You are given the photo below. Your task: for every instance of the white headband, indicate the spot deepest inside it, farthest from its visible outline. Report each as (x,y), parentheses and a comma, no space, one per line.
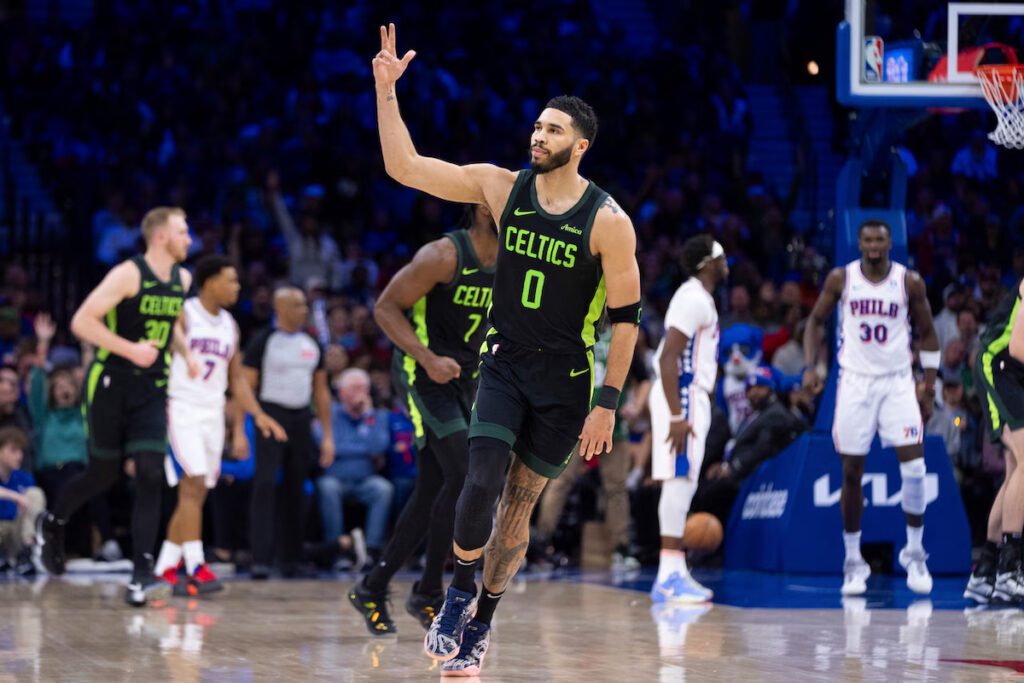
(717,251)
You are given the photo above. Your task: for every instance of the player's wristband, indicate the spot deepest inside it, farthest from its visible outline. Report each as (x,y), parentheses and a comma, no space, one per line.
(675,419)
(930,360)
(608,398)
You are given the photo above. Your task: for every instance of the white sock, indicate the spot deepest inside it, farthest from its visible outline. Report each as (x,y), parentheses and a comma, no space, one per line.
(193,556)
(915,534)
(852,543)
(669,562)
(170,556)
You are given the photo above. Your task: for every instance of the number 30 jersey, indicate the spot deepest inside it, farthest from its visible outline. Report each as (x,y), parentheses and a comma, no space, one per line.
(549,290)
(149,315)
(874,326)
(212,339)
(451,319)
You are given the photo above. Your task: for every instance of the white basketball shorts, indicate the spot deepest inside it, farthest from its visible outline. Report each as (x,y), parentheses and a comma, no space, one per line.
(883,404)
(666,463)
(197,442)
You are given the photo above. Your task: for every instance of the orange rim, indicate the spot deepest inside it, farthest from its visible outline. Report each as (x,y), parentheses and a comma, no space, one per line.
(1003,74)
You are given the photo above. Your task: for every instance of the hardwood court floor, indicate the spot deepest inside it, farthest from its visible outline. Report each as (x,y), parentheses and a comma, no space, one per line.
(562,630)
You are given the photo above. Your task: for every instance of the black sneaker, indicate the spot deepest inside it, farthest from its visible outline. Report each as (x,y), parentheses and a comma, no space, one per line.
(145,587)
(374,609)
(50,538)
(424,606)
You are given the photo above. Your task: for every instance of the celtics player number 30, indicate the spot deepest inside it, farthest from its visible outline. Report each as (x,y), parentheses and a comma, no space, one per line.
(158,330)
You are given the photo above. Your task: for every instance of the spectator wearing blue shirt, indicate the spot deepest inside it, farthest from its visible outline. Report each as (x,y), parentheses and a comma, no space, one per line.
(401,468)
(362,438)
(21,502)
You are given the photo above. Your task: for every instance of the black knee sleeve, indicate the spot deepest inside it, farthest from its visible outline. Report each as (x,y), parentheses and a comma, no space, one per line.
(488,460)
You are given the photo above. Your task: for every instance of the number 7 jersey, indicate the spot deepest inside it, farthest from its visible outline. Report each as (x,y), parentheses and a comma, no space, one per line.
(874,322)
(212,339)
(451,319)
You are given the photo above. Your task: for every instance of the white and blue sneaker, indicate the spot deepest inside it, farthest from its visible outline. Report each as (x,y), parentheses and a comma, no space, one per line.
(471,655)
(444,638)
(680,587)
(856,573)
(919,579)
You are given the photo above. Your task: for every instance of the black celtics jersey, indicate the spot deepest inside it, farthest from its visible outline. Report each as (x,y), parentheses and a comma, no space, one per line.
(450,319)
(150,314)
(548,288)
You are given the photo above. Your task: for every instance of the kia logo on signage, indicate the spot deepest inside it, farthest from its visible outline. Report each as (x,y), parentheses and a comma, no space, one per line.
(879,495)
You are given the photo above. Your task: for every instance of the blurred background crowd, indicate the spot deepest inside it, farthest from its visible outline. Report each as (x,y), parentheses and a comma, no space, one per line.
(258,118)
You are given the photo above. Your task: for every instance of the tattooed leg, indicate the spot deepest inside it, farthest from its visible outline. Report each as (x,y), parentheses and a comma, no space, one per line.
(506,547)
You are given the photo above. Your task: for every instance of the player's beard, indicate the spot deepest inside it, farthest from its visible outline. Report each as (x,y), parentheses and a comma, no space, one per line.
(875,261)
(555,160)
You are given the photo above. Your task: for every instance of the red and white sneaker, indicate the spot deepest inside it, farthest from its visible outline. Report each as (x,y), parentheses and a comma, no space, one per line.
(172,576)
(203,582)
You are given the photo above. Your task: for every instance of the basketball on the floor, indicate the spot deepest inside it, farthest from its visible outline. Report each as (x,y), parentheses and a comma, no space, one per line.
(703,532)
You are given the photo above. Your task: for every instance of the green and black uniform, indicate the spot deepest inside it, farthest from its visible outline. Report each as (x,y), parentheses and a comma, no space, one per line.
(1000,377)
(537,364)
(450,320)
(125,406)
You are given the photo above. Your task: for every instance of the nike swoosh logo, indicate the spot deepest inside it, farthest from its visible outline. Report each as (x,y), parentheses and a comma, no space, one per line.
(577,373)
(149,283)
(470,271)
(517,212)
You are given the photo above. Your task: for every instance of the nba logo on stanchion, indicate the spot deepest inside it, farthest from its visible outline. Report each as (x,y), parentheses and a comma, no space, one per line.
(874,50)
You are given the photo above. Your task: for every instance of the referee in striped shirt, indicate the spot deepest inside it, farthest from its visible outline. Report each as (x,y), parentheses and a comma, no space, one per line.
(285,366)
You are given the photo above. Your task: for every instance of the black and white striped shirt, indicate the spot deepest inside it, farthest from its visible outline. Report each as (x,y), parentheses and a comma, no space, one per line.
(287,362)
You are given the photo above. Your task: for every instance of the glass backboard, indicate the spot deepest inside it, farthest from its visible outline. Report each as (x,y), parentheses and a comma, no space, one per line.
(895,53)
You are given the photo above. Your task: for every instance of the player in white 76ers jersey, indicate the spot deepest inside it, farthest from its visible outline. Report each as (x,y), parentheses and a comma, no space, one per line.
(876,392)
(195,419)
(686,364)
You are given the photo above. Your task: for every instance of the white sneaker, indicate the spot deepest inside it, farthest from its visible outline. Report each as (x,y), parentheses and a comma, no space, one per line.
(680,588)
(980,588)
(1009,587)
(919,579)
(855,577)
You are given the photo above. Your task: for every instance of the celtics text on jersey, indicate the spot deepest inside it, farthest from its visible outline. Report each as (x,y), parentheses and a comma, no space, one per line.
(549,290)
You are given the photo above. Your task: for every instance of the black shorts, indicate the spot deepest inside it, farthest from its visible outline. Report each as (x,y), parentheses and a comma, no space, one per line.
(436,410)
(124,413)
(535,402)
(1000,381)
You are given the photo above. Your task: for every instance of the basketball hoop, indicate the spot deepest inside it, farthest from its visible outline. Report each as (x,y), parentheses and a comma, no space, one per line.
(1003,87)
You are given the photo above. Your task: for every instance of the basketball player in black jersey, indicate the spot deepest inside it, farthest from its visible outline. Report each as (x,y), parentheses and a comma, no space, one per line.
(435,311)
(130,318)
(565,249)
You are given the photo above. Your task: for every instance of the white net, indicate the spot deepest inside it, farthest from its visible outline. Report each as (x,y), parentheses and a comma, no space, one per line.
(1003,87)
